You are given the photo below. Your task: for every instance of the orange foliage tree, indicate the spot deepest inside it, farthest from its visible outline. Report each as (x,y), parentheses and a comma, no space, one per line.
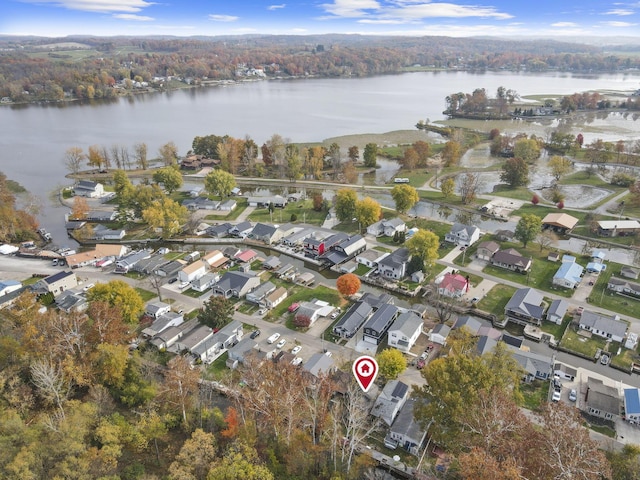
(348,284)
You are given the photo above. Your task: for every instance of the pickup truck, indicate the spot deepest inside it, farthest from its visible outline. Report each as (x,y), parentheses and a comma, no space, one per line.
(273,338)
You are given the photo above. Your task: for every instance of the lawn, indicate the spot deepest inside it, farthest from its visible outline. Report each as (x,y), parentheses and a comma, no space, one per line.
(542,211)
(30,281)
(217,369)
(145,294)
(362,269)
(235,213)
(609,300)
(520,193)
(586,231)
(306,294)
(554,329)
(535,394)
(625,359)
(582,345)
(496,299)
(383,249)
(417,178)
(303,210)
(193,293)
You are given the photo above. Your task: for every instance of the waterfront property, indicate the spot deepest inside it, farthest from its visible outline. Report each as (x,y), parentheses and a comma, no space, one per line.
(405,331)
(353,319)
(525,306)
(605,326)
(235,284)
(463,235)
(559,222)
(394,265)
(618,228)
(379,323)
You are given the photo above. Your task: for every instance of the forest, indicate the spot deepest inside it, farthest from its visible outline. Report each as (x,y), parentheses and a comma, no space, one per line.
(49,69)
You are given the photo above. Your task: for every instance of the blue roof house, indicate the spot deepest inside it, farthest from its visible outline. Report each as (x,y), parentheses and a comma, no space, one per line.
(568,275)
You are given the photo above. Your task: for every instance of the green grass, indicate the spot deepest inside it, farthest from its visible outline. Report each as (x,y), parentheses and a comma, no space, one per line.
(362,269)
(582,178)
(609,432)
(382,249)
(496,299)
(145,294)
(30,281)
(306,294)
(417,178)
(248,308)
(542,211)
(218,368)
(554,329)
(535,394)
(174,255)
(609,300)
(625,359)
(135,275)
(302,209)
(585,346)
(240,207)
(520,193)
(190,292)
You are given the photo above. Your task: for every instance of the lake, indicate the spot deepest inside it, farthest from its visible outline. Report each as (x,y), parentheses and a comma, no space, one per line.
(33,138)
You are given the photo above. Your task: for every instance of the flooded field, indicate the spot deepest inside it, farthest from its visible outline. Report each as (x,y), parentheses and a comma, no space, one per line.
(579,196)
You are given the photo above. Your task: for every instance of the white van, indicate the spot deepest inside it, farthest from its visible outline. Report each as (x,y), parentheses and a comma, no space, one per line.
(273,338)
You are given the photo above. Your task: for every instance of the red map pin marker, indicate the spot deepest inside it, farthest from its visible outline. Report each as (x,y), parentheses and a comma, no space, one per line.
(365,369)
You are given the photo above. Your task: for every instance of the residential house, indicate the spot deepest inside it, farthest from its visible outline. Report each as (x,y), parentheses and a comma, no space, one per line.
(235,284)
(486,250)
(171,335)
(557,310)
(377,301)
(485,345)
(100,252)
(8,286)
(320,243)
(288,229)
(246,256)
(632,405)
(87,188)
(318,364)
(228,206)
(536,366)
(297,238)
(463,235)
(147,266)
(275,298)
(406,432)
(266,233)
(162,322)
(101,216)
(219,231)
(69,301)
(630,272)
(191,340)
(453,285)
(258,294)
(504,235)
(564,371)
(353,319)
(346,250)
(624,287)
(192,272)
(476,328)
(370,258)
(568,275)
(559,222)
(439,333)
(395,264)
(271,263)
(155,309)
(231,251)
(348,267)
(239,352)
(525,306)
(56,283)
(313,310)
(598,256)
(169,269)
(100,232)
(387,228)
(241,230)
(605,326)
(219,342)
(379,323)
(618,228)
(200,203)
(214,259)
(404,331)
(596,267)
(512,260)
(305,278)
(126,263)
(602,400)
(295,196)
(205,282)
(8,299)
(277,201)
(390,401)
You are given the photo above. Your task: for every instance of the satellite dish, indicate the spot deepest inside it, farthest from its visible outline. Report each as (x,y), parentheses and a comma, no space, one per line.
(396,458)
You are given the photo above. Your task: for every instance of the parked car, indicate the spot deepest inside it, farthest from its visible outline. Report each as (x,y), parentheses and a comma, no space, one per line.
(262,311)
(424,356)
(281,343)
(420,364)
(293,307)
(573,395)
(273,338)
(556,396)
(335,314)
(475,300)
(173,280)
(604,359)
(88,287)
(296,349)
(255,334)
(296,361)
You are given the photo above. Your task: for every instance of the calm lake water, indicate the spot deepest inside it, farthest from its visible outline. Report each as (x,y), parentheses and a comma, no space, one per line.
(33,138)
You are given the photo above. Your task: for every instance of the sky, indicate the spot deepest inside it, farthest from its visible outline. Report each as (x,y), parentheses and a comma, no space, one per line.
(378,17)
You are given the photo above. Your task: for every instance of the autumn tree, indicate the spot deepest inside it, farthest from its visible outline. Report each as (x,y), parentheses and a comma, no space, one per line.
(527,149)
(478,464)
(391,363)
(447,187)
(405,196)
(560,166)
(370,155)
(345,204)
(169,177)
(423,149)
(294,162)
(354,153)
(546,239)
(350,173)
(216,312)
(195,457)
(451,153)
(424,244)
(348,284)
(121,295)
(219,182)
(535,200)
(73,158)
(515,173)
(368,211)
(469,184)
(410,159)
(140,155)
(167,215)
(317,201)
(168,154)
(528,228)
(80,209)
(95,157)
(180,386)
(240,461)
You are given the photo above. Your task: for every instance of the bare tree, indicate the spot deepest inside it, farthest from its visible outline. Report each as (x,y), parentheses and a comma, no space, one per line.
(140,154)
(115,155)
(106,158)
(469,184)
(50,382)
(180,385)
(125,158)
(546,239)
(444,305)
(73,158)
(356,422)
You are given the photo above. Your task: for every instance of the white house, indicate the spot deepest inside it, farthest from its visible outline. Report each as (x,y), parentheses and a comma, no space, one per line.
(394,265)
(275,298)
(155,309)
(463,235)
(162,323)
(605,326)
(404,331)
(205,282)
(370,258)
(557,311)
(439,334)
(87,188)
(8,286)
(568,275)
(387,228)
(192,272)
(214,259)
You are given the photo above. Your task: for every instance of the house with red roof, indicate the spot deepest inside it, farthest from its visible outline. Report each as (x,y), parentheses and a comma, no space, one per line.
(246,256)
(453,285)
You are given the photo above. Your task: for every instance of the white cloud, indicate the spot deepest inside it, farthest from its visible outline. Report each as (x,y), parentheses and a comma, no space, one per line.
(620,11)
(618,24)
(399,11)
(223,18)
(102,6)
(276,7)
(131,16)
(564,24)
